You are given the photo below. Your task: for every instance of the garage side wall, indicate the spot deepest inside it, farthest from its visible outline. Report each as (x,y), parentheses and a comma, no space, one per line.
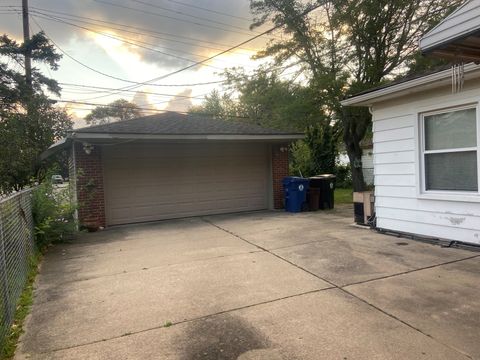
(89,187)
(279,171)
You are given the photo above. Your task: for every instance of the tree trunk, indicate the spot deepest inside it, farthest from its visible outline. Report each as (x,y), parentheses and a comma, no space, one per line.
(358,180)
(356,122)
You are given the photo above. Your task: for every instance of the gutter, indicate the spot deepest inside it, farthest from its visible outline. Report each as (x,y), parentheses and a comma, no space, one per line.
(87,137)
(392,91)
(107,136)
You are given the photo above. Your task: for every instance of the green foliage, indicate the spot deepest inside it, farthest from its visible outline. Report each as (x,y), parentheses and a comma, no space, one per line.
(23,137)
(316,154)
(220,106)
(22,310)
(343,196)
(53,214)
(29,123)
(264,99)
(344,176)
(322,146)
(14,92)
(353,46)
(300,159)
(119,110)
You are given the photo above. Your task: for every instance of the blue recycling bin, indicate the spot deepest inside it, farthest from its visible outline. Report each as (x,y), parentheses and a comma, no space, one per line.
(295,190)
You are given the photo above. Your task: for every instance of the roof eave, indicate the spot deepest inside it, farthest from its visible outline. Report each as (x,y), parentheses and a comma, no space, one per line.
(433,80)
(53,149)
(179,137)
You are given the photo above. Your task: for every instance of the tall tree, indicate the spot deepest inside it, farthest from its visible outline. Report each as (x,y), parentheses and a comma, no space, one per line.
(29,123)
(217,105)
(349,46)
(119,110)
(264,99)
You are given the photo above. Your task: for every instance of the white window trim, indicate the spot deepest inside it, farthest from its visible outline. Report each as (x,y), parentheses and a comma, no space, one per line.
(448,195)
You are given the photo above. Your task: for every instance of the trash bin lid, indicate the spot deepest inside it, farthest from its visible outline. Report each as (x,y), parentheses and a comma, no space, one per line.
(294,179)
(324,176)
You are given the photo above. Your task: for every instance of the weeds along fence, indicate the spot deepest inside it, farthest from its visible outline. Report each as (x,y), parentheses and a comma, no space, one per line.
(16,249)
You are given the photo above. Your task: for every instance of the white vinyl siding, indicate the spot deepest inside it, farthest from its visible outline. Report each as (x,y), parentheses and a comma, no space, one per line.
(148,182)
(399,201)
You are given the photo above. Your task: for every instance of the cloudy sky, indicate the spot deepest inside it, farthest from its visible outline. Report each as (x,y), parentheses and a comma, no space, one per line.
(111,44)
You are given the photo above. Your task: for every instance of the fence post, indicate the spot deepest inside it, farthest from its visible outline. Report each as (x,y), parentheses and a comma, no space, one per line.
(3,276)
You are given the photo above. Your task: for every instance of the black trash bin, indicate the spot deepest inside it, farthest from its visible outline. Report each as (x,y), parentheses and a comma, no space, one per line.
(326,184)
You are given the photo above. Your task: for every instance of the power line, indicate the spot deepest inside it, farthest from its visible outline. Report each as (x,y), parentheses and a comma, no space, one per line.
(130,41)
(119,90)
(211,57)
(182,13)
(209,10)
(149,31)
(132,91)
(127,41)
(141,33)
(140,108)
(168,17)
(118,78)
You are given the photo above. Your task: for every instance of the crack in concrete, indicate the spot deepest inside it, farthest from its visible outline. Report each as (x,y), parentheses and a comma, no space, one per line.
(412,271)
(150,268)
(186,321)
(332,286)
(342,288)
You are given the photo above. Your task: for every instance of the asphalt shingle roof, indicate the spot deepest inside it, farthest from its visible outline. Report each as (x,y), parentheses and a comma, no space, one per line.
(173,123)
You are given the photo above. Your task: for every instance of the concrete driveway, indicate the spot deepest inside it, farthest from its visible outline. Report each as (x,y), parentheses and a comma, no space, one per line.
(263,285)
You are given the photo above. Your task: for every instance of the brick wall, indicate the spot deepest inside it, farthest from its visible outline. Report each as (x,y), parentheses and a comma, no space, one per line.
(89,185)
(279,171)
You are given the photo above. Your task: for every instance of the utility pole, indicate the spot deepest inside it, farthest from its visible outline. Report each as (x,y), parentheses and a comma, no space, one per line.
(26,40)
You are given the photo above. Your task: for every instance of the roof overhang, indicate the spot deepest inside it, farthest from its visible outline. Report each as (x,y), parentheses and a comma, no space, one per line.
(185,137)
(457,37)
(464,49)
(107,138)
(432,81)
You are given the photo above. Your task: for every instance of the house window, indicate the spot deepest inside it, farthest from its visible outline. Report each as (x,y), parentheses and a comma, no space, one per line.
(450,150)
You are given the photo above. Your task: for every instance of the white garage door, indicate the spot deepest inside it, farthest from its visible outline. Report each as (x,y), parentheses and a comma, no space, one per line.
(146,182)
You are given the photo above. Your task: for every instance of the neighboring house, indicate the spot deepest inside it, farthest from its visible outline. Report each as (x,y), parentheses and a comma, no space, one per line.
(367,161)
(174,165)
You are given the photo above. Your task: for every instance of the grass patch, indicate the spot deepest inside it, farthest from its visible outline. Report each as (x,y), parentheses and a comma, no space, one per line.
(343,196)
(23,308)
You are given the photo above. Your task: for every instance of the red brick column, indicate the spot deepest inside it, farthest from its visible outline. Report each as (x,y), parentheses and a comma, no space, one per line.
(89,187)
(279,171)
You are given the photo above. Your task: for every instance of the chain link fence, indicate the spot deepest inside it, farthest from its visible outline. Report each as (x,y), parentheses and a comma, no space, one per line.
(16,249)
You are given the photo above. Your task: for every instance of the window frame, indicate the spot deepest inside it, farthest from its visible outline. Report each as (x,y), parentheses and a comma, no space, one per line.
(456,195)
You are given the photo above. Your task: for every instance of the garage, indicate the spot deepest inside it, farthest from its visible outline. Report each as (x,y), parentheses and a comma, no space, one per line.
(174,165)
(147,182)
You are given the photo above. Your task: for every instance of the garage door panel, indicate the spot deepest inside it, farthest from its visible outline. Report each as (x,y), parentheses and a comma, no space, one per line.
(146,182)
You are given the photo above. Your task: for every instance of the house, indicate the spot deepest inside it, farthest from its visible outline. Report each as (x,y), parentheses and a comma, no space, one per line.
(367,160)
(426,138)
(173,165)
(426,146)
(457,37)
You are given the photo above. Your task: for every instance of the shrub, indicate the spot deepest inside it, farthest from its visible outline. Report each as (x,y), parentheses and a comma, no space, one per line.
(319,139)
(53,214)
(300,159)
(344,176)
